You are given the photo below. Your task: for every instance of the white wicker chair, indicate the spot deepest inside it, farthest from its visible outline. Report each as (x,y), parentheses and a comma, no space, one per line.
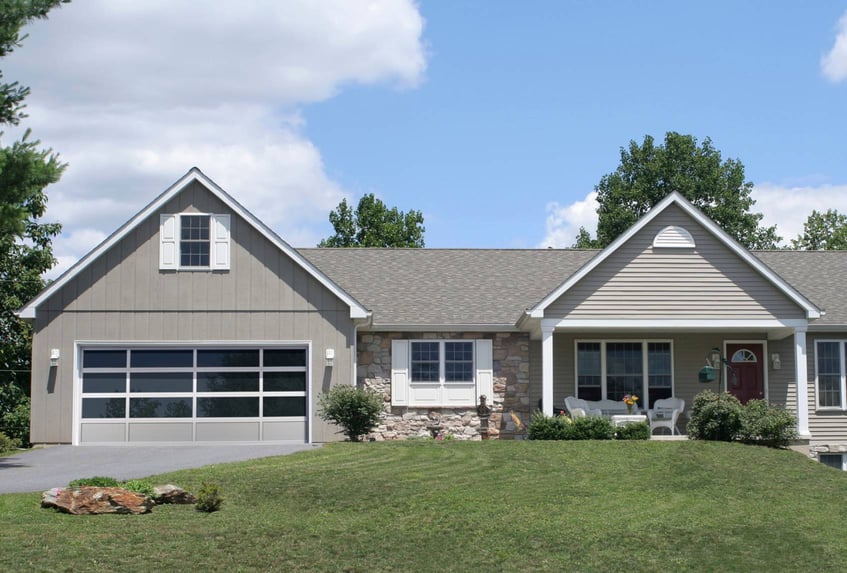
(665,413)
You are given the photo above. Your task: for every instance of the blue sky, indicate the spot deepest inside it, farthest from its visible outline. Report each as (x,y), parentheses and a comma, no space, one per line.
(496,119)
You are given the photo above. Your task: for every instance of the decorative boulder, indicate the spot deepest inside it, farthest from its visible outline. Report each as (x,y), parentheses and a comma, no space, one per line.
(172,494)
(96,500)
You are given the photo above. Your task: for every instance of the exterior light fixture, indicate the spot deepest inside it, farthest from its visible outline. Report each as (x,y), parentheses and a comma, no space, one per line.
(330,356)
(54,357)
(775,361)
(715,357)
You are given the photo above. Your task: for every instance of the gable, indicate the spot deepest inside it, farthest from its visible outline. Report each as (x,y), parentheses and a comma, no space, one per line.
(123,273)
(641,280)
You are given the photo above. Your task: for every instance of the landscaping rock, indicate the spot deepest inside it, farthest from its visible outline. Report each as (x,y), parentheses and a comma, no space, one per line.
(96,500)
(172,494)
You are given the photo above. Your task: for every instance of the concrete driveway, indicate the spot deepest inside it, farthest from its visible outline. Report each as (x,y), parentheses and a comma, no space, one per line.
(55,466)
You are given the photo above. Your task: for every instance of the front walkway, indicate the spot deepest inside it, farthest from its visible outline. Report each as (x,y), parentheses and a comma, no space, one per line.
(55,466)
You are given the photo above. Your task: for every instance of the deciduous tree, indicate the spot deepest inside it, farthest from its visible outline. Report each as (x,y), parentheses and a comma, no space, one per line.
(373,224)
(823,232)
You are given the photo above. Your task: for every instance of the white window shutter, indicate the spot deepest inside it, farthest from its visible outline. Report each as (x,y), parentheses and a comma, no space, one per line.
(485,370)
(168,243)
(399,372)
(220,249)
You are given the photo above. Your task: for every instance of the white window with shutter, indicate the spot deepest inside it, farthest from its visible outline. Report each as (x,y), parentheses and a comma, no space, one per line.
(194,241)
(441,373)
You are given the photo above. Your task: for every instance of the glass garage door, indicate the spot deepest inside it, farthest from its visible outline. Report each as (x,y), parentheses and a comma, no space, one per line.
(193,394)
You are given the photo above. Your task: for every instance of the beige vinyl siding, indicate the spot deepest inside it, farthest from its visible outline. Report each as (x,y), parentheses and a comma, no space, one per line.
(826,426)
(707,282)
(123,296)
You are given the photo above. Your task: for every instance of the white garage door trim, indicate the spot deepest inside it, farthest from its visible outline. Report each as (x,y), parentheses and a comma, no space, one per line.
(102,390)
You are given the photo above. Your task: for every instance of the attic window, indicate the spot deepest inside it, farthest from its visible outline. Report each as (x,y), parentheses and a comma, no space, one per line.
(194,241)
(673,237)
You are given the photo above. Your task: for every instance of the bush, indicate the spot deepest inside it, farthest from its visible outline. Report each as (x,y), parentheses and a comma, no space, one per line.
(142,486)
(15,423)
(8,444)
(208,498)
(715,417)
(356,410)
(96,481)
(542,427)
(767,425)
(639,431)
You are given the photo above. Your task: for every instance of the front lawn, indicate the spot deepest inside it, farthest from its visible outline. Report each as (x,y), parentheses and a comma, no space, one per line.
(467,506)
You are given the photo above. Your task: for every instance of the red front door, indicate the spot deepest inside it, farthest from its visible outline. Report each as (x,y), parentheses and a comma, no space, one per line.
(745,375)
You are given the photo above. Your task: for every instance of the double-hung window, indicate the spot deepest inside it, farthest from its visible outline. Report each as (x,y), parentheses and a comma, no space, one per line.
(612,369)
(194,241)
(830,374)
(440,373)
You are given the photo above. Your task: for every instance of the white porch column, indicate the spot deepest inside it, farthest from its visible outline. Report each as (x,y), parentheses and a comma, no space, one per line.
(547,369)
(801,373)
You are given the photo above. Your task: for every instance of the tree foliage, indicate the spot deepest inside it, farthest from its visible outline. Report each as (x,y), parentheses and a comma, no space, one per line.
(373,224)
(823,232)
(649,172)
(25,241)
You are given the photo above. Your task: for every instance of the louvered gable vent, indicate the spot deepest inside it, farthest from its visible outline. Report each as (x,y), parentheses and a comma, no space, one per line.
(673,237)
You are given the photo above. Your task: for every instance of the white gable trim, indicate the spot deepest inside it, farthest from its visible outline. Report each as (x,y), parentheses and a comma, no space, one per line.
(194,174)
(675,197)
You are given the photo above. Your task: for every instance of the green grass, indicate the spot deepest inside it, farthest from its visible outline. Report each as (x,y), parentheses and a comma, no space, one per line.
(467,506)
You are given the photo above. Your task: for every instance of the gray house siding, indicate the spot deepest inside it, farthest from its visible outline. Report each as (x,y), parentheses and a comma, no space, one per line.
(706,282)
(265,297)
(827,427)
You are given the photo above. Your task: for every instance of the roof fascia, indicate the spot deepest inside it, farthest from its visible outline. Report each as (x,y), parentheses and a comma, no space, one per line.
(193,174)
(675,197)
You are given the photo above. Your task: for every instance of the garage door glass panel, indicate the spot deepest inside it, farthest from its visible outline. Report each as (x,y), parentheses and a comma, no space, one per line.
(104,359)
(162,359)
(103,382)
(227,381)
(227,407)
(104,408)
(285,382)
(161,382)
(227,358)
(284,406)
(275,357)
(160,408)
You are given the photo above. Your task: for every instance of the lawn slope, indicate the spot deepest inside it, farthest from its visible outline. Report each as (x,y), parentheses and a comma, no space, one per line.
(460,506)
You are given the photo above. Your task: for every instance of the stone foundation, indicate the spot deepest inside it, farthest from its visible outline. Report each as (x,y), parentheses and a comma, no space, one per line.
(816,449)
(511,389)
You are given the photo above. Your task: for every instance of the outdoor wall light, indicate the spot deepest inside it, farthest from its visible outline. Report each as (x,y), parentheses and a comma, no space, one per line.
(330,356)
(775,361)
(715,357)
(54,357)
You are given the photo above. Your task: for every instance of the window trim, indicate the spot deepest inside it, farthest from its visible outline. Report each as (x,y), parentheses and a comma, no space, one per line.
(842,347)
(645,373)
(170,240)
(840,455)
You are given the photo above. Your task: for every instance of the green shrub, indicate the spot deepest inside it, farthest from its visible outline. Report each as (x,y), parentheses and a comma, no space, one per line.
(543,427)
(96,481)
(715,417)
(208,498)
(8,444)
(592,428)
(638,431)
(15,423)
(142,486)
(356,410)
(767,425)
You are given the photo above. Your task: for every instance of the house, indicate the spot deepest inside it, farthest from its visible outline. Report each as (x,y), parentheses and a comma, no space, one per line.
(195,322)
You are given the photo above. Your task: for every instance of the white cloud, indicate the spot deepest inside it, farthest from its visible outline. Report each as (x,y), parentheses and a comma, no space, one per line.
(834,63)
(788,207)
(133,94)
(564,221)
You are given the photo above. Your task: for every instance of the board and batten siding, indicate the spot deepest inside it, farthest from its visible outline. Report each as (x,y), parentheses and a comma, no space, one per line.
(707,282)
(265,297)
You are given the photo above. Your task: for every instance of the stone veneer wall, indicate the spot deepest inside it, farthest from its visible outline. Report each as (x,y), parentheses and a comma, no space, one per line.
(511,388)
(816,449)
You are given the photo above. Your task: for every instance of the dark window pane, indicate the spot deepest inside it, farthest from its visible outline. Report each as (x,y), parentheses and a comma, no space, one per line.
(194,227)
(103,382)
(161,382)
(831,460)
(194,254)
(103,408)
(160,407)
(458,361)
(657,394)
(285,381)
(279,406)
(161,359)
(104,359)
(227,358)
(425,362)
(588,370)
(285,357)
(227,381)
(424,372)
(227,407)
(624,370)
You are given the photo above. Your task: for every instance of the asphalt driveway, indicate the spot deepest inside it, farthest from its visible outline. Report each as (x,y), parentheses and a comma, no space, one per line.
(55,466)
